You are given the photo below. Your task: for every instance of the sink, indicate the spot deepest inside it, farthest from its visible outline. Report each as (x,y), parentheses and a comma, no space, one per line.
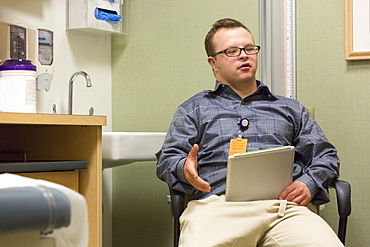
(122,148)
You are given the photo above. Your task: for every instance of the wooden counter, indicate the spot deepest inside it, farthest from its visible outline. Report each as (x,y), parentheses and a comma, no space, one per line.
(62,137)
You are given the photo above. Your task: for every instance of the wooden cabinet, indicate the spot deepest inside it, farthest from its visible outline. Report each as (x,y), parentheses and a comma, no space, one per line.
(62,137)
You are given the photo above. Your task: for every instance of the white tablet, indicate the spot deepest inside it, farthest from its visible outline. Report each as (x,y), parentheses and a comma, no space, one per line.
(259,175)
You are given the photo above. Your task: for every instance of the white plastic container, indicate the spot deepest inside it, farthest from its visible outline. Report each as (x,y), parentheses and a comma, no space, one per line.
(18,86)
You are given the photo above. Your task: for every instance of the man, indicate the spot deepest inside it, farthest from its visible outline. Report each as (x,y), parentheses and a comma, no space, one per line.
(193,158)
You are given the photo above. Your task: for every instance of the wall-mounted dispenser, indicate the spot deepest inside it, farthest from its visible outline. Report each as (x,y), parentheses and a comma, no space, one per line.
(36,45)
(13,41)
(98,16)
(17,42)
(45,59)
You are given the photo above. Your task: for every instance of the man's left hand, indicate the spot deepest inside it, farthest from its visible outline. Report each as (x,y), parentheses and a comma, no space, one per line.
(297,192)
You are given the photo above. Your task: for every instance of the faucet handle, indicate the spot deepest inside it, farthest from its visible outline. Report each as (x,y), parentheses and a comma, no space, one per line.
(91,111)
(54,108)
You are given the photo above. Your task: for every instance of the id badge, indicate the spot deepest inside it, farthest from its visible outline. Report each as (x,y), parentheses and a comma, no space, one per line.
(238,146)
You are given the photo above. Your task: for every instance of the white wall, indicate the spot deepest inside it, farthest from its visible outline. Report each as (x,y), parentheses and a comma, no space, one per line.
(72,52)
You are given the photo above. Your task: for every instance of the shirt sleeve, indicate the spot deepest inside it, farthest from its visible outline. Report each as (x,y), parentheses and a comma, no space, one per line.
(317,162)
(179,140)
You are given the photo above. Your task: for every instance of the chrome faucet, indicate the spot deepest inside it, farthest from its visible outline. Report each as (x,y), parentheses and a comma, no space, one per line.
(73,77)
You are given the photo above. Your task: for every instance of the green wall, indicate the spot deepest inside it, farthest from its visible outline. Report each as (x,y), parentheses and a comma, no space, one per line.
(339,90)
(162,62)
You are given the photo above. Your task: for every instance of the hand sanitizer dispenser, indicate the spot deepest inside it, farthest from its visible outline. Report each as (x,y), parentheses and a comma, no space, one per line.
(45,59)
(13,42)
(36,45)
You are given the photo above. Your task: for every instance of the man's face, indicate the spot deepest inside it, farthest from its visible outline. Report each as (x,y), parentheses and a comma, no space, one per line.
(233,70)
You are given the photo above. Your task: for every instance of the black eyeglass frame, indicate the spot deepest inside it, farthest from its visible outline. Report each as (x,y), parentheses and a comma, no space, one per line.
(240,51)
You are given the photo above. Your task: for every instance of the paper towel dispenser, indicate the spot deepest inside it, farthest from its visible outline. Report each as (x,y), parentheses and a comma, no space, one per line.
(98,16)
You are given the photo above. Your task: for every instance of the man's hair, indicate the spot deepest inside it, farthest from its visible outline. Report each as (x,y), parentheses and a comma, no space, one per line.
(222,23)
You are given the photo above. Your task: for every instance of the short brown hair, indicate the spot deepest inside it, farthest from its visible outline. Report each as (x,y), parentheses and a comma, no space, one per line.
(222,23)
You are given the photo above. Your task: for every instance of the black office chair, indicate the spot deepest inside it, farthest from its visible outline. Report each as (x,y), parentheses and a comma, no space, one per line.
(343,191)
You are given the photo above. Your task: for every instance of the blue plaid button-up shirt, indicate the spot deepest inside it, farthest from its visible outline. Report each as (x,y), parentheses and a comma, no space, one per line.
(210,119)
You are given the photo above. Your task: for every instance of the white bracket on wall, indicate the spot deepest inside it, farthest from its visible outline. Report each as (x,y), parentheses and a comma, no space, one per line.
(277,37)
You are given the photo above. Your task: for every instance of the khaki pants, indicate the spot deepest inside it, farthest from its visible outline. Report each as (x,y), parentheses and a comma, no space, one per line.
(214,222)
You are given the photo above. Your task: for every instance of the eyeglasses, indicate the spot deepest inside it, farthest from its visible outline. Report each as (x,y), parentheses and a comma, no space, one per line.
(236,51)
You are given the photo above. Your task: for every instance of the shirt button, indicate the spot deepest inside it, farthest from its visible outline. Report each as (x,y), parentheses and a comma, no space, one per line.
(243,103)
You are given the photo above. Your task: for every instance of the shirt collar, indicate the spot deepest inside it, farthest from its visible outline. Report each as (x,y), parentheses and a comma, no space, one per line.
(262,90)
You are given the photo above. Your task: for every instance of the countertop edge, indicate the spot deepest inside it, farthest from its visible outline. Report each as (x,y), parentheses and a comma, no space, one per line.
(51,119)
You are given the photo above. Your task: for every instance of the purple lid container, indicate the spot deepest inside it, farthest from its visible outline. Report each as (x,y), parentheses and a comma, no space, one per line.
(18,65)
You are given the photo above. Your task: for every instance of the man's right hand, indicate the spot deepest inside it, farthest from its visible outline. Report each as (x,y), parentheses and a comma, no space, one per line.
(191,171)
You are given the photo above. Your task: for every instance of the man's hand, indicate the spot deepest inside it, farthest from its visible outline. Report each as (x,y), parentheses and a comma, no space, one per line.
(191,171)
(297,192)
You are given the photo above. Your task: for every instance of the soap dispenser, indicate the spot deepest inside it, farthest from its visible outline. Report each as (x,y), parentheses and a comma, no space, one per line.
(45,59)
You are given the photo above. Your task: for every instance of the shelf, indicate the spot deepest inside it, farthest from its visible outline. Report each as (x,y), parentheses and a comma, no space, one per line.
(42,166)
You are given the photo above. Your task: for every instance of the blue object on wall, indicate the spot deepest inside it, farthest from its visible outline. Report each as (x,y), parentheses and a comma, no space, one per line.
(107,15)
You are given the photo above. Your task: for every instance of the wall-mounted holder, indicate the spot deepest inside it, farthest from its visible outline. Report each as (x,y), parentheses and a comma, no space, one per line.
(45,59)
(98,16)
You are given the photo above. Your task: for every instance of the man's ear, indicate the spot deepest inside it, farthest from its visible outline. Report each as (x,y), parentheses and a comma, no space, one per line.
(212,62)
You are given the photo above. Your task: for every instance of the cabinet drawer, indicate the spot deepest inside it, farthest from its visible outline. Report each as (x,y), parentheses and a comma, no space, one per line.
(65,178)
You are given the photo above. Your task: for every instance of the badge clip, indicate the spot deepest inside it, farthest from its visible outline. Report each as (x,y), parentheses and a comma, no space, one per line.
(243,125)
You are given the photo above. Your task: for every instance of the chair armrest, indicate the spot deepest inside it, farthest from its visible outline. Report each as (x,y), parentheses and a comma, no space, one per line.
(177,207)
(343,191)
(177,203)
